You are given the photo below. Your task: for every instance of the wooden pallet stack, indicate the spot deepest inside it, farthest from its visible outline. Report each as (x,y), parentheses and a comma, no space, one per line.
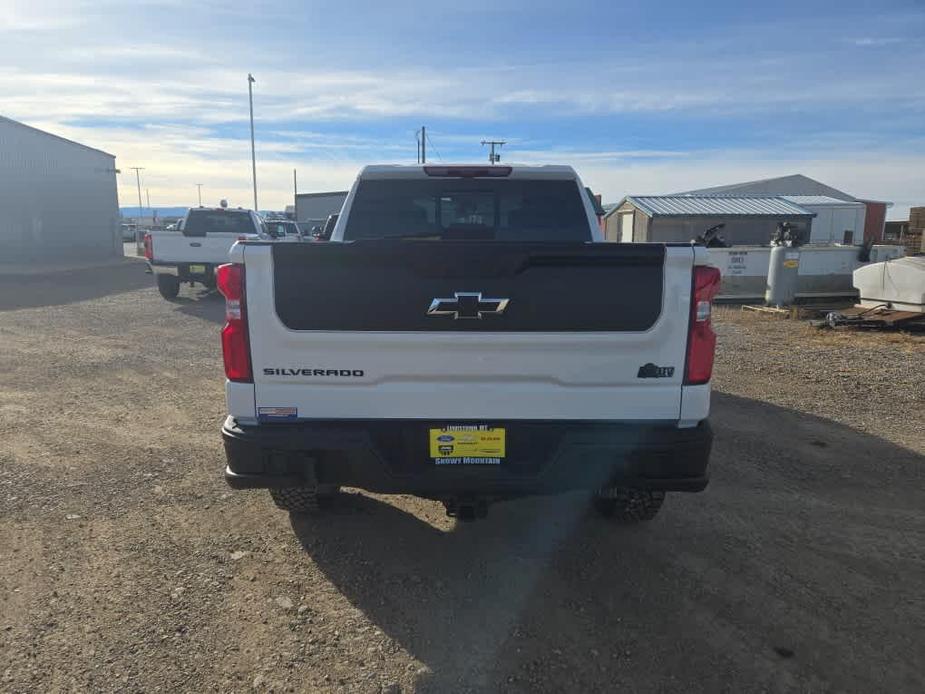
(917,218)
(914,240)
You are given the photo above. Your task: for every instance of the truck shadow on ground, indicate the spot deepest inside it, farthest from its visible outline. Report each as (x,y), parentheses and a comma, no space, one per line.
(205,304)
(774,578)
(69,286)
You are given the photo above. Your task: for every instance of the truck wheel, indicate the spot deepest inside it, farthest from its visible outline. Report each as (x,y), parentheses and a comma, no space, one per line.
(303,499)
(168,286)
(628,505)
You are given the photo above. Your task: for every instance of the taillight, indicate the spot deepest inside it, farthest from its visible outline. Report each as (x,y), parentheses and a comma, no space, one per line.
(149,249)
(235,346)
(701,340)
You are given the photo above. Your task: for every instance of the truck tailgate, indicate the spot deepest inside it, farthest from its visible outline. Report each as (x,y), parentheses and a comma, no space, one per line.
(463,330)
(174,247)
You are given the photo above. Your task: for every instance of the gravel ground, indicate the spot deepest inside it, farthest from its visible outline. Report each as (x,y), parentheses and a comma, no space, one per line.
(129,566)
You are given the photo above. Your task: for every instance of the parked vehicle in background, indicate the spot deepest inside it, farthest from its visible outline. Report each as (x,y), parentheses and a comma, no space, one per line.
(462,339)
(323,233)
(200,245)
(283,230)
(129,231)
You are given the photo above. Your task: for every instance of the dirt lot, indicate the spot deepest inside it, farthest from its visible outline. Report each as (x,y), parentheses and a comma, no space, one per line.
(127,565)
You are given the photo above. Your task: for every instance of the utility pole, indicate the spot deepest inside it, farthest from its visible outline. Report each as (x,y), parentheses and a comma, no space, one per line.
(295,192)
(250,95)
(423,144)
(417,142)
(138,182)
(199,187)
(148,198)
(492,157)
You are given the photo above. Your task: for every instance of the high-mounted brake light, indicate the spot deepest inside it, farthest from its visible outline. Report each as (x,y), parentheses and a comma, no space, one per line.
(468,171)
(701,340)
(149,247)
(235,345)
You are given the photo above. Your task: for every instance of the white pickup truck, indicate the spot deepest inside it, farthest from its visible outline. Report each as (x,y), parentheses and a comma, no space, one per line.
(467,337)
(200,244)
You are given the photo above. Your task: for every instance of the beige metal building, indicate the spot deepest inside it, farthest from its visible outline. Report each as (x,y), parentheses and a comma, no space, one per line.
(747,220)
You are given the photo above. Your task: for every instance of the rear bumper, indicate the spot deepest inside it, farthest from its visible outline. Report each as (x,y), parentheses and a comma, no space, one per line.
(391,456)
(182,270)
(159,268)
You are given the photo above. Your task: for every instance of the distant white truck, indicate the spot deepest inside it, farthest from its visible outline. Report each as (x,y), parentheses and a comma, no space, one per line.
(199,245)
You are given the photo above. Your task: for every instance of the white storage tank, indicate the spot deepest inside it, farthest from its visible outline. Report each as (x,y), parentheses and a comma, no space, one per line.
(899,284)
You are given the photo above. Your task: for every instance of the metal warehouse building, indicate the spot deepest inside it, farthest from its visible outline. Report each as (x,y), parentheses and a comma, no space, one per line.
(868,227)
(314,208)
(747,220)
(58,198)
(836,221)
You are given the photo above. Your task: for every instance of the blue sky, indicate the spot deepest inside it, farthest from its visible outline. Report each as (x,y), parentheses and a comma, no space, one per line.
(641,97)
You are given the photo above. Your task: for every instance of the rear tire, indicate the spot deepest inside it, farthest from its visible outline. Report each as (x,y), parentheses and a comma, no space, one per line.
(303,499)
(628,506)
(168,286)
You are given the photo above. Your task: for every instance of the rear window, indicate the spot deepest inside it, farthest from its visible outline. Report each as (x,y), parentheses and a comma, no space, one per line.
(202,222)
(477,209)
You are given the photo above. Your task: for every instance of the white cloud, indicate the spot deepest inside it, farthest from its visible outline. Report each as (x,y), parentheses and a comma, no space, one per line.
(180,88)
(876,41)
(177,158)
(872,175)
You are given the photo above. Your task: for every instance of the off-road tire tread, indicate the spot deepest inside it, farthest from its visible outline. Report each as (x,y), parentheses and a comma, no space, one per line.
(303,499)
(168,286)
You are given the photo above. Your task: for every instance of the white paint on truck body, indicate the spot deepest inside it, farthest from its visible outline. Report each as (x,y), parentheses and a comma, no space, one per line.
(471,375)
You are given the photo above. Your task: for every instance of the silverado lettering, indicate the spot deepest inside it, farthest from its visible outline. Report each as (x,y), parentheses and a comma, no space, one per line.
(345,373)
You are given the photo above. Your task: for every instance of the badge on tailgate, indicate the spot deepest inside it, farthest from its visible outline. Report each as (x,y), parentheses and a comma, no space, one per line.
(650,370)
(467,445)
(466,305)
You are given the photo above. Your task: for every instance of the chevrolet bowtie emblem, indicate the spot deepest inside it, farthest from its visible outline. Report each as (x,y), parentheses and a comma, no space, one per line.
(466,305)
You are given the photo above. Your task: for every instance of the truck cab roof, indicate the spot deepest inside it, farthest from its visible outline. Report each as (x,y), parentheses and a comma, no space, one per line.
(464,170)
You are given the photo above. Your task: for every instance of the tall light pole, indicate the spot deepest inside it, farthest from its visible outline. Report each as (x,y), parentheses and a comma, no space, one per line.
(199,188)
(138,236)
(138,182)
(250,95)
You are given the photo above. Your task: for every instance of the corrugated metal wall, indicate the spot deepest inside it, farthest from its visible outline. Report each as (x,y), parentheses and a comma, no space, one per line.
(315,207)
(739,231)
(58,199)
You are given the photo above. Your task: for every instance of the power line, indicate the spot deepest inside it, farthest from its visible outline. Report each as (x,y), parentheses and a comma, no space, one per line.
(436,151)
(492,157)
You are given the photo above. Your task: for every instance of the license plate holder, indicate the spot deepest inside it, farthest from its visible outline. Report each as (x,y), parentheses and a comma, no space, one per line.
(197,269)
(475,444)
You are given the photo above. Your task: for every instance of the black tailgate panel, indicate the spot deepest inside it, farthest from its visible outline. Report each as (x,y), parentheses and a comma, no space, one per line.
(389,285)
